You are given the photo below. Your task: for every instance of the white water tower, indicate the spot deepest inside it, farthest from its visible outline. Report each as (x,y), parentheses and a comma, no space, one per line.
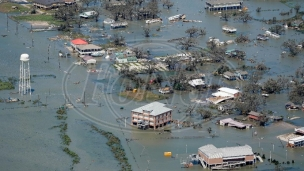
(25,75)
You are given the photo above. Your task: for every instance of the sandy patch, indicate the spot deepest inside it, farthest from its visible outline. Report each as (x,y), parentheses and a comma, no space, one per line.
(39,24)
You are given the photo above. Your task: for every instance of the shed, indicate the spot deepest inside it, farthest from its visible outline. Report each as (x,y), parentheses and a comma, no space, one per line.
(254,115)
(229,75)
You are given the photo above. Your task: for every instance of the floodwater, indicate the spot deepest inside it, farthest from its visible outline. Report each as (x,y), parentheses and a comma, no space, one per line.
(28,143)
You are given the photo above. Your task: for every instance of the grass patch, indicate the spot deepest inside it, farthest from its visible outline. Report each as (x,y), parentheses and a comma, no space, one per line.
(116,148)
(66,140)
(76,158)
(38,17)
(6,7)
(142,95)
(6,85)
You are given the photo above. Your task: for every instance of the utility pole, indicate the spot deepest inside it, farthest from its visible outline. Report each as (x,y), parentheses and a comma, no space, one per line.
(186,149)
(6,21)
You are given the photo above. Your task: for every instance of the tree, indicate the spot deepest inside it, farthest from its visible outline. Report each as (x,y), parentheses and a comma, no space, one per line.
(146,31)
(258,9)
(261,67)
(139,53)
(297,8)
(118,40)
(153,8)
(300,72)
(187,43)
(278,29)
(291,45)
(87,2)
(222,69)
(191,31)
(79,22)
(168,4)
(205,114)
(225,17)
(96,14)
(242,39)
(250,98)
(296,95)
(272,86)
(209,130)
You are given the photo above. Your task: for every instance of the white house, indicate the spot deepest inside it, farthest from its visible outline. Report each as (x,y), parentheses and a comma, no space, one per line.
(196,82)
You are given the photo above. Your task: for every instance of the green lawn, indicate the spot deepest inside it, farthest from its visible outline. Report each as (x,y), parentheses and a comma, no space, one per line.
(38,17)
(6,85)
(6,7)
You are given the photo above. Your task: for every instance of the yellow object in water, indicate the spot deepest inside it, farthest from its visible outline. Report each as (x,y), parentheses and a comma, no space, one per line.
(245,8)
(134,90)
(167,154)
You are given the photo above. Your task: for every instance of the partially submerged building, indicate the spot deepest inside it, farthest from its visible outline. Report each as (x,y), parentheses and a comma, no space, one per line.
(88,49)
(229,75)
(217,5)
(297,141)
(232,123)
(152,115)
(197,82)
(226,157)
(165,90)
(223,94)
(51,4)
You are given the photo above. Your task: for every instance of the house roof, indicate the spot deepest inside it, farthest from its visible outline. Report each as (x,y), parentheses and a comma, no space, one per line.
(48,2)
(254,113)
(88,47)
(79,42)
(297,139)
(196,82)
(155,108)
(230,74)
(232,122)
(254,117)
(300,130)
(212,152)
(228,90)
(242,72)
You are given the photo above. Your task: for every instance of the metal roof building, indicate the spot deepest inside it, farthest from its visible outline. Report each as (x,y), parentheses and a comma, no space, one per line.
(154,108)
(153,115)
(214,157)
(223,4)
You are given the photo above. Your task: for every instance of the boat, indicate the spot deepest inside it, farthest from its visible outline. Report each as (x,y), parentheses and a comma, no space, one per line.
(108,21)
(229,29)
(9,100)
(272,34)
(98,54)
(177,17)
(156,20)
(265,95)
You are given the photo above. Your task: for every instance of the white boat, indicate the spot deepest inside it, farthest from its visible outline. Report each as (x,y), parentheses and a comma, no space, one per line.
(108,21)
(265,94)
(97,54)
(272,34)
(156,20)
(177,17)
(229,29)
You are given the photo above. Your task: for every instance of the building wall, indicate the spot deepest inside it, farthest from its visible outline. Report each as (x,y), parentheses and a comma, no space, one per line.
(210,161)
(159,120)
(249,158)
